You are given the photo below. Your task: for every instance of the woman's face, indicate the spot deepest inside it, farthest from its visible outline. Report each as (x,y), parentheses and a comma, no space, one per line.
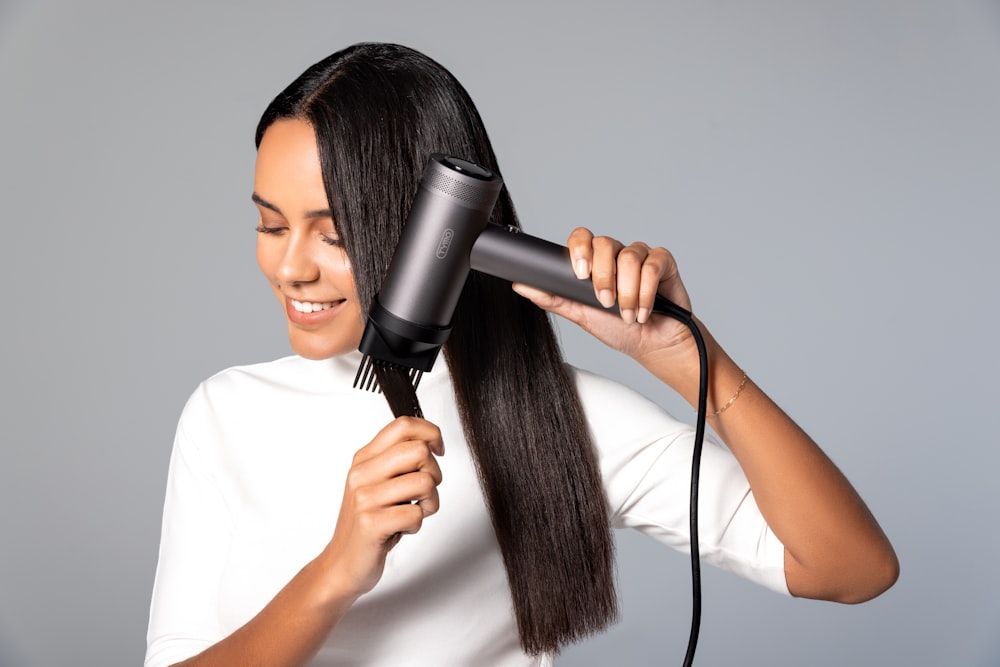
(298,248)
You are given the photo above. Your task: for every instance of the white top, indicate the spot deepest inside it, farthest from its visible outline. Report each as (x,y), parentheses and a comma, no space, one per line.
(256,478)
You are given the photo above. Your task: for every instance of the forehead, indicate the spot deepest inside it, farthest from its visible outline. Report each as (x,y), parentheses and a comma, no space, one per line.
(288,165)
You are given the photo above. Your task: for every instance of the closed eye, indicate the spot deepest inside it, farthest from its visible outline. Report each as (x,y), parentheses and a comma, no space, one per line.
(269,230)
(334,241)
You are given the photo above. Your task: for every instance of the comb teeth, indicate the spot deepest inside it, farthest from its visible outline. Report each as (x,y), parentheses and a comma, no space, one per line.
(367,381)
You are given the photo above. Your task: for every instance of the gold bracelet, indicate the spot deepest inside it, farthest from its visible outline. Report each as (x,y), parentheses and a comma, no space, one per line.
(739,390)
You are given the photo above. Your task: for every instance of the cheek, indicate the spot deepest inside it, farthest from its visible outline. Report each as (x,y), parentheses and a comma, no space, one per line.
(339,271)
(265,260)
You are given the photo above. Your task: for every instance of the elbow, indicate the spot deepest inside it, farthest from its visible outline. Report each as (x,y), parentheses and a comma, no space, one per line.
(845,580)
(880,575)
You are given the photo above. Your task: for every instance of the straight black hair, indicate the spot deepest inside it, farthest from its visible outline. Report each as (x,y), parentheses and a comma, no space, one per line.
(379,111)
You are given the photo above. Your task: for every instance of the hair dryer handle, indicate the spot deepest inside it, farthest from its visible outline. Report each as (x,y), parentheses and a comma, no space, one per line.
(508,253)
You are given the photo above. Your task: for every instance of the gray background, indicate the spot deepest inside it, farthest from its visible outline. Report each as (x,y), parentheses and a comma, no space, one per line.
(828,174)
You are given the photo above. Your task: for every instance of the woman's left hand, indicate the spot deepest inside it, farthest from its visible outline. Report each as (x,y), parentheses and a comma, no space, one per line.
(632,275)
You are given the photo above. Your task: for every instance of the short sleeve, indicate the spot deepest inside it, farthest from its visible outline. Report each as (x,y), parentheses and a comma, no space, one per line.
(183,619)
(645,457)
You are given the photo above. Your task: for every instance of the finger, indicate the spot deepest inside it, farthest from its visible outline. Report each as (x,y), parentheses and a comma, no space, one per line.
(416,487)
(605,269)
(398,430)
(658,269)
(553,303)
(406,457)
(581,251)
(403,459)
(665,281)
(421,489)
(385,524)
(541,298)
(408,518)
(629,279)
(574,311)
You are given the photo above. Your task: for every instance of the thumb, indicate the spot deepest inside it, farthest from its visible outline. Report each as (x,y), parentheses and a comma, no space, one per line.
(574,311)
(542,299)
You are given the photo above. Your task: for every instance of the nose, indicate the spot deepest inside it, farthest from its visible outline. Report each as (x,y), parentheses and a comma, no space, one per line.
(297,264)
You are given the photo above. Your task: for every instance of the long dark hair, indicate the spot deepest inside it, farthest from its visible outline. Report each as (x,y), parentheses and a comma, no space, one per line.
(379,111)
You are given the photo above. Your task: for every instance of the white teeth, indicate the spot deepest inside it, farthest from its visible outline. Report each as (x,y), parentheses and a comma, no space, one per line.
(310,306)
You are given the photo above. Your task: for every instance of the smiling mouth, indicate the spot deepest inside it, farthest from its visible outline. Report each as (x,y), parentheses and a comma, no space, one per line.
(313,306)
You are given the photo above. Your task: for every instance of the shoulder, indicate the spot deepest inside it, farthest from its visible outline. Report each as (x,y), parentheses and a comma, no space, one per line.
(606,399)
(628,429)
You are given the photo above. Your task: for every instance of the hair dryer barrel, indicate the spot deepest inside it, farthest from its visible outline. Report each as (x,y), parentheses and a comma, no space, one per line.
(411,316)
(427,273)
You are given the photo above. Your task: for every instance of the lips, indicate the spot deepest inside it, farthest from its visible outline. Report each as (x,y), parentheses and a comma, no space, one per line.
(312,306)
(312,313)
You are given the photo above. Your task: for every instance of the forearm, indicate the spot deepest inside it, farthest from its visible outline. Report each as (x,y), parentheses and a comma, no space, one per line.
(290,629)
(834,548)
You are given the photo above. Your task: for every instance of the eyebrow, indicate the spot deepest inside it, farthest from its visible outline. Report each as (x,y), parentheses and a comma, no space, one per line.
(318,213)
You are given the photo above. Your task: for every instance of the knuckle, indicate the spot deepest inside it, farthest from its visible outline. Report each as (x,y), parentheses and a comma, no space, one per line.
(354,478)
(633,250)
(362,497)
(651,273)
(632,256)
(605,242)
(414,517)
(426,482)
(662,255)
(406,422)
(603,279)
(416,450)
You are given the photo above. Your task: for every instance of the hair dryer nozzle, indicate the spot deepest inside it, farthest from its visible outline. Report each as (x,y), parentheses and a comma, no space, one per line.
(394,341)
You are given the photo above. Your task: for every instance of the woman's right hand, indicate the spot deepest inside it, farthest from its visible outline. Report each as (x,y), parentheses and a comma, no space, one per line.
(390,488)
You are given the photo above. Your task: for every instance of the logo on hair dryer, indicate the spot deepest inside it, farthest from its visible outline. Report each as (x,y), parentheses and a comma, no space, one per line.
(445,243)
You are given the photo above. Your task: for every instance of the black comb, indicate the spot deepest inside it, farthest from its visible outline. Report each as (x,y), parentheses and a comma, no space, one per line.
(397,383)
(371,369)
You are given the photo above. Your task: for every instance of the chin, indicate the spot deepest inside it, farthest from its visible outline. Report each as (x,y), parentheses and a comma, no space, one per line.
(318,352)
(316,347)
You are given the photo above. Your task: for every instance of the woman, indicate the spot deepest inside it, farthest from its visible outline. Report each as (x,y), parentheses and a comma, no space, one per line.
(302,522)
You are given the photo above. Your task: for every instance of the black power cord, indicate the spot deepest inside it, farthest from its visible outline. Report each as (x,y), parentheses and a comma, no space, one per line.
(670,309)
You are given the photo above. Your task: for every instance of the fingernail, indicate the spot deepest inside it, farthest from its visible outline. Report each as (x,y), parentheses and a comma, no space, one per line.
(643,315)
(606,298)
(581,268)
(628,315)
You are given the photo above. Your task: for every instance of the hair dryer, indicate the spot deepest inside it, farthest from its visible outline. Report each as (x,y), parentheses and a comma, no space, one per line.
(447,233)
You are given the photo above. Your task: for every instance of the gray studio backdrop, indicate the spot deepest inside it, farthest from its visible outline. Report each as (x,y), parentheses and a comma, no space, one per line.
(828,174)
